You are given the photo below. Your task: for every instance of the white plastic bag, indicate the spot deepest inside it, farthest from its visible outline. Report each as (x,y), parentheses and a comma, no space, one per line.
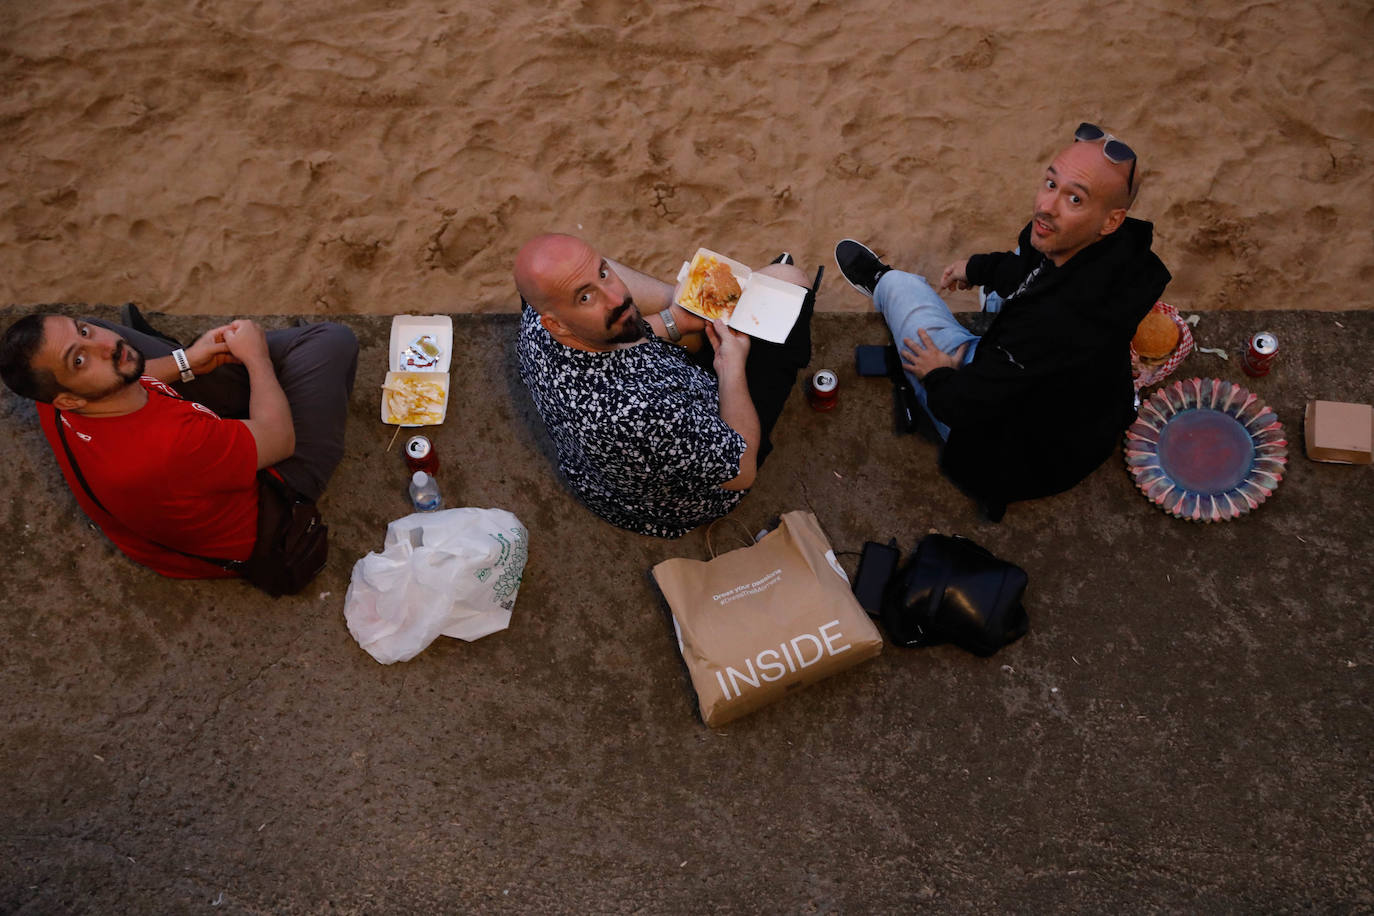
(452,573)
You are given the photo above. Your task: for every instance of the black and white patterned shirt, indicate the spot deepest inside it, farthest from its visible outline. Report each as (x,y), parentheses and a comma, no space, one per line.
(638,430)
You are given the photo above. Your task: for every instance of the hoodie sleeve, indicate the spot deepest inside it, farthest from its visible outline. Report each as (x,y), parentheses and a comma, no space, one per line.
(1003,271)
(983,267)
(981,392)
(993,387)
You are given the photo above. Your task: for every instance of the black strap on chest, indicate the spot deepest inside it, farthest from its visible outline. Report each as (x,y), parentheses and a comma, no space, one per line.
(230,565)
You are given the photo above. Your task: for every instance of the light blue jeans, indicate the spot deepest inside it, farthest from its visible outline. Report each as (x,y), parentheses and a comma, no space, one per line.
(909,303)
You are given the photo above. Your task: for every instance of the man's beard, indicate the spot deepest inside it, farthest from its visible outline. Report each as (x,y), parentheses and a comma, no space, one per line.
(134,373)
(633,331)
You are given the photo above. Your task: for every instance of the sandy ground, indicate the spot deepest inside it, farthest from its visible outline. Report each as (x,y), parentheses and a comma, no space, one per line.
(374,156)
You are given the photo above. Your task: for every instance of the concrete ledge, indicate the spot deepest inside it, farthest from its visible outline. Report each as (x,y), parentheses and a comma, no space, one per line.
(1186,727)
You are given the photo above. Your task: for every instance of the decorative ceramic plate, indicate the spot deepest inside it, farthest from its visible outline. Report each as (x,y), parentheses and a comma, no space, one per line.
(1206,450)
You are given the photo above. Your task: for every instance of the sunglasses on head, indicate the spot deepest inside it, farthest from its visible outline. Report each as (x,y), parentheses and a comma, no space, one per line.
(1113,149)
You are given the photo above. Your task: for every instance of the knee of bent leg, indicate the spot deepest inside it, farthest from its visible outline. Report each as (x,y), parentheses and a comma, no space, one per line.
(340,338)
(344,344)
(900,291)
(326,347)
(789,272)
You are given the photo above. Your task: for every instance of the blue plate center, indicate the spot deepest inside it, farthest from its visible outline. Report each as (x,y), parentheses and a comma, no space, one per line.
(1205,451)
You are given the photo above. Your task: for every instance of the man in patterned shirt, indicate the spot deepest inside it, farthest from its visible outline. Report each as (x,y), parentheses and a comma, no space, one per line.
(647,438)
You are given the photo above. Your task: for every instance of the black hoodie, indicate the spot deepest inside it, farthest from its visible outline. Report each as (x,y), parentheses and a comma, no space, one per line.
(1048,392)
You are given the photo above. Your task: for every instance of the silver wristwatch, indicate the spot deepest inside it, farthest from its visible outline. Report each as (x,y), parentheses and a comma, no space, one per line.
(673,333)
(183,364)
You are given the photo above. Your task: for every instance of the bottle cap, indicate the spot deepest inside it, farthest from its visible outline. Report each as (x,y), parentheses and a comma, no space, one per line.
(419,478)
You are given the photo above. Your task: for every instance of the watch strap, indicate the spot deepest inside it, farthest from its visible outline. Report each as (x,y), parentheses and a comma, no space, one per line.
(183,364)
(670,324)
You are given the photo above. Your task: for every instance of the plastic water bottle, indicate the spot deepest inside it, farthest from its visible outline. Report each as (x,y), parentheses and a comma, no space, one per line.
(424,492)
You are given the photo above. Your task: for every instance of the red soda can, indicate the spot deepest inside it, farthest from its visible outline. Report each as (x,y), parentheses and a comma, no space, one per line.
(1259,353)
(824,391)
(420,455)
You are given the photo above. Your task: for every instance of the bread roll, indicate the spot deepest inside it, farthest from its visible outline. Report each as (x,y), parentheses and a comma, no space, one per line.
(1155,338)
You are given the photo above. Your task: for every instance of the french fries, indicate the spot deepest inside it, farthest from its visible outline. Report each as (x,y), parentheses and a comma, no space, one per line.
(711,290)
(414,401)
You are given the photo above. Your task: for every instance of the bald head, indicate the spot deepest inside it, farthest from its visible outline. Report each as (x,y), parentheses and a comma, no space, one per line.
(1083,198)
(1106,179)
(544,261)
(580,299)
(1126,172)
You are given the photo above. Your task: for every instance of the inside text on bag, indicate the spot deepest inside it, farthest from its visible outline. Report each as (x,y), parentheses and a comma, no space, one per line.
(775,664)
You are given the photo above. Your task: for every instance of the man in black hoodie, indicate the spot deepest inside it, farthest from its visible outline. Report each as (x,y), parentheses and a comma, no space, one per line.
(1041,399)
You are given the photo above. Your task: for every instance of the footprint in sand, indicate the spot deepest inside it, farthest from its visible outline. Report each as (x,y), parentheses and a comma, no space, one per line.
(608,12)
(206,211)
(979,57)
(262,17)
(63,198)
(442,182)
(316,55)
(454,246)
(261,219)
(115,111)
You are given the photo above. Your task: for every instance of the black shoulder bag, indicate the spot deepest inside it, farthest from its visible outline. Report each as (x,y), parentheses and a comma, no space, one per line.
(954,590)
(292,542)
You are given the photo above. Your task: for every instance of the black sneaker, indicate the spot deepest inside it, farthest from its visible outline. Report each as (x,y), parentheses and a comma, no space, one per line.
(860,266)
(784,258)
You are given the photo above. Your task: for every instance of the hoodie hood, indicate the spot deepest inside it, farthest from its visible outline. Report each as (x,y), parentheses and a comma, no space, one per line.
(1110,284)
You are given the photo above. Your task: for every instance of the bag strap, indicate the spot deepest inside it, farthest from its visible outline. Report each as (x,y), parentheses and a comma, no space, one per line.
(76,468)
(229,565)
(710,548)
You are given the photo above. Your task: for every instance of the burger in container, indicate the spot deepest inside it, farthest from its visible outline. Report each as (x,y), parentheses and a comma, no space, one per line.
(755,303)
(1161,341)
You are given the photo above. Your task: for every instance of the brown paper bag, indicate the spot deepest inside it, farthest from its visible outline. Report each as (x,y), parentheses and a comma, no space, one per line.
(756,623)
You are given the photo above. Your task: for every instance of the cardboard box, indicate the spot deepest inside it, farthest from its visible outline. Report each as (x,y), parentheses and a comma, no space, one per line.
(429,339)
(1339,432)
(767,307)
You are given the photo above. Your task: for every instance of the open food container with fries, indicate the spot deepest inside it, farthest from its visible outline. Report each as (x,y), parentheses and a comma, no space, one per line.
(714,286)
(415,392)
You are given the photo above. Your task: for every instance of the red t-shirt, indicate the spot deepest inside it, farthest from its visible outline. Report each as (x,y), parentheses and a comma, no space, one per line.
(171,472)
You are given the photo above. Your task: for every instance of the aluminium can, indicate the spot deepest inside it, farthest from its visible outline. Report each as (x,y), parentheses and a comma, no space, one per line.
(1259,353)
(824,392)
(420,455)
